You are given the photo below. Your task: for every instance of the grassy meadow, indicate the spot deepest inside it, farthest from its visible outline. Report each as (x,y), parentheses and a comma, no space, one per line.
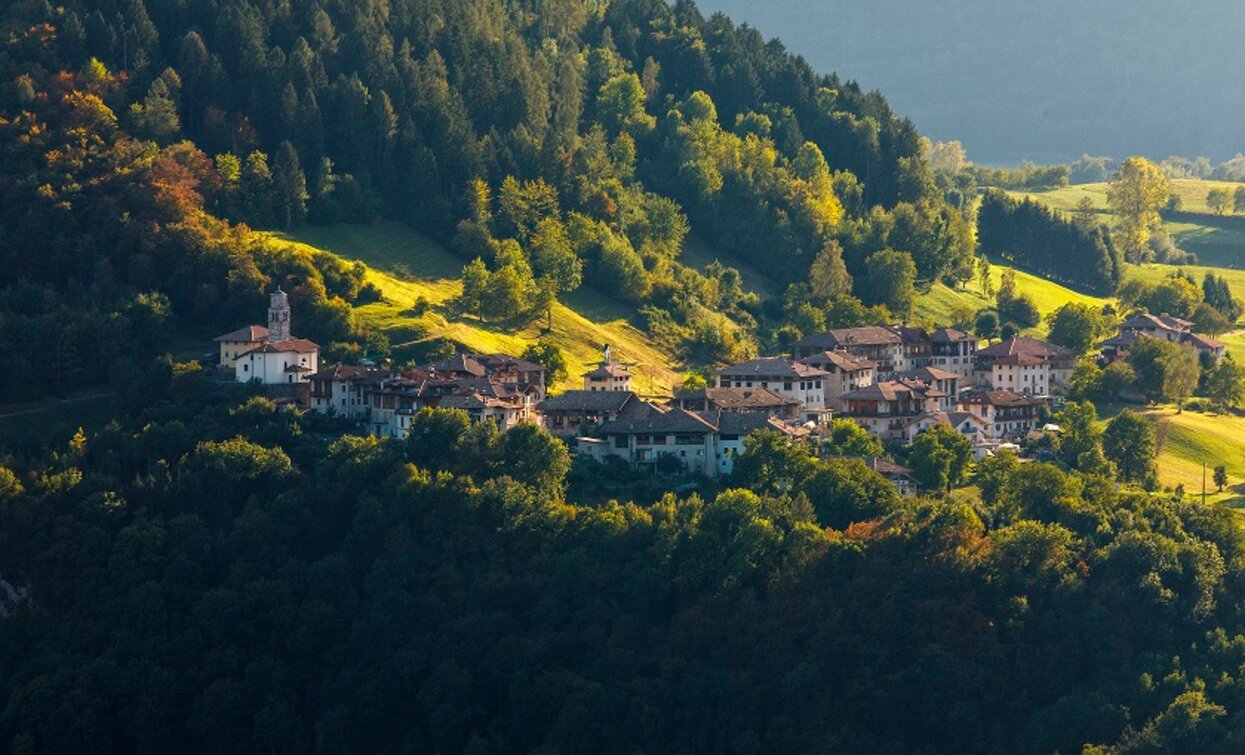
(1217,240)
(408,266)
(1190,438)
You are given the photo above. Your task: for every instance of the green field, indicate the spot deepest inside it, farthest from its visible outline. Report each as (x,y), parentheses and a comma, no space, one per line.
(1216,240)
(1190,438)
(406,265)
(935,307)
(1156,272)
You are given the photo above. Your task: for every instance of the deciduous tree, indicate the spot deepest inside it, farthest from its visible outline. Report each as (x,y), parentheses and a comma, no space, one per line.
(1136,194)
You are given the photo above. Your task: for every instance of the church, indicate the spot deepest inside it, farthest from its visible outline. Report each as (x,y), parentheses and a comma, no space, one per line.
(271,355)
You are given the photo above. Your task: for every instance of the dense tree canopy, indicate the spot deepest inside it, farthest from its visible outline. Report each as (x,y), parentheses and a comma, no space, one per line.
(213,572)
(1037,239)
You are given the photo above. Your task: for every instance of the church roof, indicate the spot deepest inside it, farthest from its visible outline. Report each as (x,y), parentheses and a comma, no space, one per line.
(289,345)
(248,334)
(609,370)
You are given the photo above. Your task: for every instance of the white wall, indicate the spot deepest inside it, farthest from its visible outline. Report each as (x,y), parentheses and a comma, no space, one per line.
(269,367)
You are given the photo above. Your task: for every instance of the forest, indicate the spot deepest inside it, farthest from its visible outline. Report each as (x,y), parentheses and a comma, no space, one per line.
(552,144)
(212,572)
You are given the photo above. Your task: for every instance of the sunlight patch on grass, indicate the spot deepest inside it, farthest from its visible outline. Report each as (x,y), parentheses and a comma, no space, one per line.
(407,266)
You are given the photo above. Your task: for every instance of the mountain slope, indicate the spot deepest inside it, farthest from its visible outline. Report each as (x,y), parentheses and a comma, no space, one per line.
(408,266)
(1217,240)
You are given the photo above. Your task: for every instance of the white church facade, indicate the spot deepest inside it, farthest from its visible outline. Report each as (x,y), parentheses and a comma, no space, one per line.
(272,355)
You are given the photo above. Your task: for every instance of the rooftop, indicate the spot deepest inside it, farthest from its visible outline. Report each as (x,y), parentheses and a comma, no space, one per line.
(928,374)
(289,345)
(1024,345)
(609,370)
(841,360)
(1001,398)
(586,401)
(248,334)
(654,421)
(869,335)
(772,367)
(738,398)
(892,390)
(950,335)
(1160,322)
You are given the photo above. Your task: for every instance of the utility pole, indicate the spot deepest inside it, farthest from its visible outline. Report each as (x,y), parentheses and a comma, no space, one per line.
(1203,483)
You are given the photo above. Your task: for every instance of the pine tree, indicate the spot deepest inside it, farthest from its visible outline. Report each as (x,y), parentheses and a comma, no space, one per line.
(290,187)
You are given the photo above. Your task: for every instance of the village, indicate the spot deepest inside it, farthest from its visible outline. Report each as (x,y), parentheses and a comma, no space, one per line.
(895,381)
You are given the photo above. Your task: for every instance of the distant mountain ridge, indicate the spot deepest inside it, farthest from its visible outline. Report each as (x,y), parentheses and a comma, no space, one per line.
(1042,81)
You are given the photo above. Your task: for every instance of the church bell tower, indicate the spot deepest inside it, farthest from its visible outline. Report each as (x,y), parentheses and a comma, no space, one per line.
(278,316)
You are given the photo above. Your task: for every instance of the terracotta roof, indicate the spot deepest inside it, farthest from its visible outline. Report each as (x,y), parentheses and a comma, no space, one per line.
(462,363)
(476,401)
(840,359)
(1202,342)
(1127,338)
(892,390)
(950,335)
(289,345)
(352,372)
(500,361)
(885,467)
(928,374)
(951,419)
(959,418)
(248,334)
(870,335)
(743,423)
(1148,321)
(1023,345)
(772,367)
(297,368)
(586,401)
(1000,398)
(910,333)
(673,421)
(1022,359)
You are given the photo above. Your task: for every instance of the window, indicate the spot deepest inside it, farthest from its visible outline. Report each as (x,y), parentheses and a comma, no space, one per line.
(787,385)
(246,368)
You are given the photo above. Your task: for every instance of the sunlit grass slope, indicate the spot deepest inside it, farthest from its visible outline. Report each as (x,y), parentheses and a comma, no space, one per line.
(1191,438)
(936,306)
(1217,240)
(407,266)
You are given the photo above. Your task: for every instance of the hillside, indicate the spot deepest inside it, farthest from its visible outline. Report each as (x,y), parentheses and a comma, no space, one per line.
(1216,240)
(407,266)
(1188,439)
